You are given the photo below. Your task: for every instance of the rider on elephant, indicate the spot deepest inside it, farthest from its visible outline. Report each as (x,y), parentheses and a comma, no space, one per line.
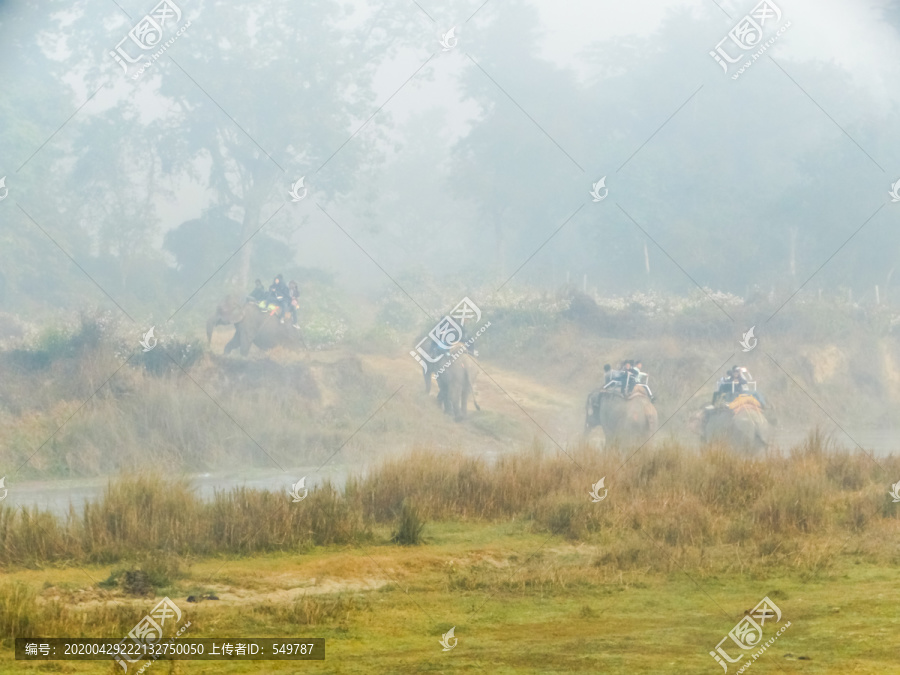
(731,386)
(259,292)
(633,376)
(722,387)
(619,378)
(279,295)
(640,378)
(755,394)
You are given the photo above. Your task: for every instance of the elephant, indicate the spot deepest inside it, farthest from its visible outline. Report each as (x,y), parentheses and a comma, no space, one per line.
(252,327)
(429,368)
(436,355)
(623,418)
(228,311)
(456,380)
(745,427)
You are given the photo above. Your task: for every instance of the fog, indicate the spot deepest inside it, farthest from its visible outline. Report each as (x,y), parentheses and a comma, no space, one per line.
(284,285)
(462,163)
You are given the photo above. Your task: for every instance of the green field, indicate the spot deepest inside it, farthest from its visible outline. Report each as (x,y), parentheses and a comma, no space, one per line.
(520,603)
(533,575)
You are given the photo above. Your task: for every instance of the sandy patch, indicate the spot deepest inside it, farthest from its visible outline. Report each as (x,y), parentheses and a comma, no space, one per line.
(230,595)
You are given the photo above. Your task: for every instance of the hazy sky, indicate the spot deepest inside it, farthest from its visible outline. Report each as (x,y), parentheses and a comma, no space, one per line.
(850,34)
(616,52)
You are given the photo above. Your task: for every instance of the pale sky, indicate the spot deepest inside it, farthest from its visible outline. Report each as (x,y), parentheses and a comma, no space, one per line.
(848,33)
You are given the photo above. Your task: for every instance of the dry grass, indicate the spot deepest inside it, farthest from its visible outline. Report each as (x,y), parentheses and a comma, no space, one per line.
(168,406)
(667,496)
(143,514)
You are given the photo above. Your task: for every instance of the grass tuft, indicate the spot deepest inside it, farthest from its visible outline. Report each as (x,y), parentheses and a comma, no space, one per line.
(409,526)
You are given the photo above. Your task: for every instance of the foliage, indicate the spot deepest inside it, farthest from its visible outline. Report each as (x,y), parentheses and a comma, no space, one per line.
(409,526)
(676,497)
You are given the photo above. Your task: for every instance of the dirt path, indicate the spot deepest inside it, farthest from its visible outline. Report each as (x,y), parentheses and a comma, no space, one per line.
(513,405)
(535,406)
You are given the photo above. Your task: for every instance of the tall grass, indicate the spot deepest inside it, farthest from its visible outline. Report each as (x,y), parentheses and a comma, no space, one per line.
(178,399)
(670,496)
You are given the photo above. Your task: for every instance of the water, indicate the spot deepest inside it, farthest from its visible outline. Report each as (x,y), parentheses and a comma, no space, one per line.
(56,496)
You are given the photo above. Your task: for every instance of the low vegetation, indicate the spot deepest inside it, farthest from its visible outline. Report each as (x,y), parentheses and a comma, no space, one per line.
(514,546)
(702,509)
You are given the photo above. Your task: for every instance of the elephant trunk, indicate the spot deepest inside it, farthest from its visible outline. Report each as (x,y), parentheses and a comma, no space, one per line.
(211,323)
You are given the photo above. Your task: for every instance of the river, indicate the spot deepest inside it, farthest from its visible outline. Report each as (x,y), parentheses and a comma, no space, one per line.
(56,495)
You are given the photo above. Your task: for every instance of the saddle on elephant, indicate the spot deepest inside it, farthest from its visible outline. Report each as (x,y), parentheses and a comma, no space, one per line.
(270,307)
(745,401)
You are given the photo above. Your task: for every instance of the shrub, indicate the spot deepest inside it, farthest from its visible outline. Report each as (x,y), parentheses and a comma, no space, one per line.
(409,526)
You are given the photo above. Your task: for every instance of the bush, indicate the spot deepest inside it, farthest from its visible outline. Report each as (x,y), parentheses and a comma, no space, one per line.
(171,356)
(409,526)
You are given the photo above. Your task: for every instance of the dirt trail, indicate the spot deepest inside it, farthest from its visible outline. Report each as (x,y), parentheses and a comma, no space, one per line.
(518,406)
(522,400)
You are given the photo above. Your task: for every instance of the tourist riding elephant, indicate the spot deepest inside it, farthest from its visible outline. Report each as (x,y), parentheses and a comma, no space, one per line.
(456,380)
(252,327)
(429,367)
(746,428)
(623,419)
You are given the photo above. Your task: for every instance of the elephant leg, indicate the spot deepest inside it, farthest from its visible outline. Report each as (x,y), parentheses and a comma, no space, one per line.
(592,411)
(234,342)
(442,401)
(246,341)
(455,400)
(464,399)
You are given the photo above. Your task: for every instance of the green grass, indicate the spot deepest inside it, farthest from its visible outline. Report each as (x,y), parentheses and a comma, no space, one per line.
(520,602)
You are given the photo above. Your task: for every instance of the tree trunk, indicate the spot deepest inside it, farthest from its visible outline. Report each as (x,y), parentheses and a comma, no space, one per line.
(255,197)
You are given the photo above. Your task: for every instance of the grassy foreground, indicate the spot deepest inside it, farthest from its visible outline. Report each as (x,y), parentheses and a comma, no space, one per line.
(513,554)
(520,604)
